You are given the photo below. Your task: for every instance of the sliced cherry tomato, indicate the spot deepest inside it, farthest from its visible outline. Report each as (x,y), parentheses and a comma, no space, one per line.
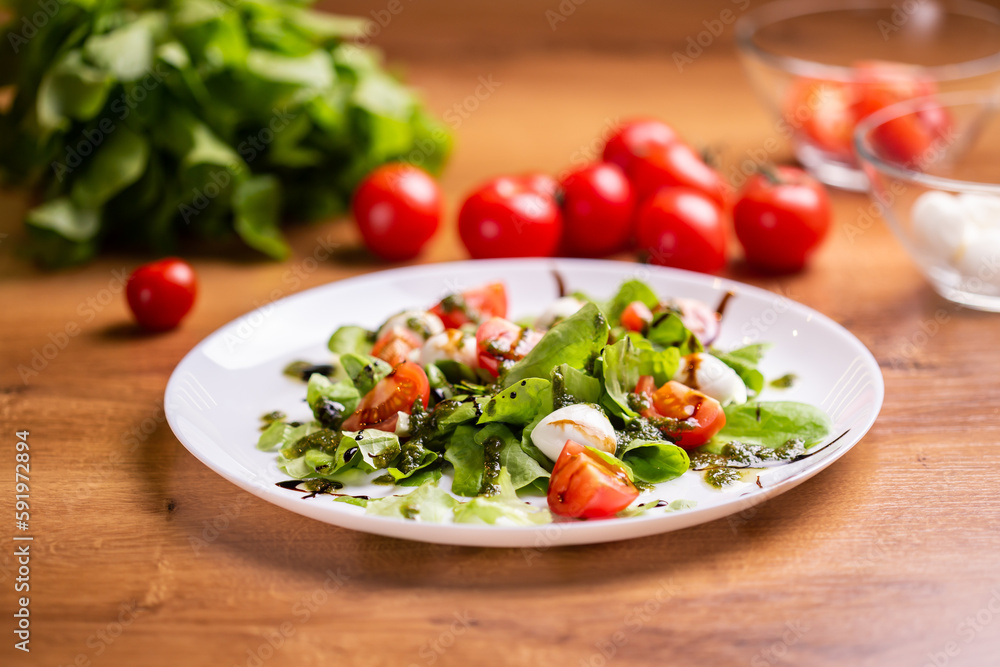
(683,228)
(511,216)
(474,305)
(395,393)
(781,217)
(501,342)
(161,293)
(676,165)
(634,139)
(700,416)
(822,112)
(396,345)
(597,210)
(636,316)
(398,208)
(585,485)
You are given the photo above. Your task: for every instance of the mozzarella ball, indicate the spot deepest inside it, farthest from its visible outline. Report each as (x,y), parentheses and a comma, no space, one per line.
(450,345)
(580,423)
(982,210)
(981,258)
(421,322)
(938,221)
(711,377)
(558,310)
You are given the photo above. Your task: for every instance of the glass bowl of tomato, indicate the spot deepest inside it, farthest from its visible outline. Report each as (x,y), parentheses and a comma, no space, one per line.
(824,65)
(940,194)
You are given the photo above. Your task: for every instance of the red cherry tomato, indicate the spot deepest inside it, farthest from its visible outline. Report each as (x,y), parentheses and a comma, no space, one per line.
(161,293)
(501,343)
(472,306)
(597,210)
(395,346)
(634,140)
(398,208)
(683,228)
(636,316)
(701,416)
(676,165)
(543,184)
(511,216)
(907,139)
(780,218)
(822,112)
(395,393)
(585,485)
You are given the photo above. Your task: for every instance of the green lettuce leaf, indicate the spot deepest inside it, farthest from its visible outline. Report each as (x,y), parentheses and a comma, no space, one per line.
(343,392)
(427,503)
(504,508)
(773,423)
(570,386)
(350,339)
(655,461)
(520,403)
(575,341)
(365,371)
(468,459)
(744,361)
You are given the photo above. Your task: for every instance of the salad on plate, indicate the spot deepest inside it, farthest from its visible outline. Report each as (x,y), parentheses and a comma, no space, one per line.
(456,413)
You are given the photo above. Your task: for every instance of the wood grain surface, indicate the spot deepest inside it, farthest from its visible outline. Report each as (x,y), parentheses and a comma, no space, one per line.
(143,556)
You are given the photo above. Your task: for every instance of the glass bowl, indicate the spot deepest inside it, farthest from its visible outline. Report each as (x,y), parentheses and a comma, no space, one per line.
(940,191)
(823,65)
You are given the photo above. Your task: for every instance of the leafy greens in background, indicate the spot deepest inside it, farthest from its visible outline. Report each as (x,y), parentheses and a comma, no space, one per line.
(141,123)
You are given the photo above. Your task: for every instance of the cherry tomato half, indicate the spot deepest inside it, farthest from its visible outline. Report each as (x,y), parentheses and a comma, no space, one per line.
(636,316)
(781,217)
(683,228)
(511,216)
(676,165)
(161,293)
(500,342)
(395,346)
(634,139)
(395,393)
(585,485)
(597,210)
(398,208)
(701,416)
(474,305)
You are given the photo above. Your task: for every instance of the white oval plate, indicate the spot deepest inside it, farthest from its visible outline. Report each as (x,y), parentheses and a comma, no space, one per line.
(219,390)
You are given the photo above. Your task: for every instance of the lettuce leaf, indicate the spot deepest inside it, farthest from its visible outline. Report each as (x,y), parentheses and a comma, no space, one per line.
(744,361)
(503,508)
(350,340)
(576,341)
(520,403)
(365,371)
(655,461)
(428,504)
(343,392)
(570,386)
(630,290)
(773,423)
(468,459)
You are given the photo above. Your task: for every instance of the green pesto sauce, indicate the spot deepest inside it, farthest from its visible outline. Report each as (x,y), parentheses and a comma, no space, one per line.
(491,466)
(324,440)
(720,477)
(785,381)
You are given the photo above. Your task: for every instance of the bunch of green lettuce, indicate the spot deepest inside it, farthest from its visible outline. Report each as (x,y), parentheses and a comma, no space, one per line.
(141,123)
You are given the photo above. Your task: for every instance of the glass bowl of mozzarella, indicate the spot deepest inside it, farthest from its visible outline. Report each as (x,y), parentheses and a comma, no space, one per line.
(941,194)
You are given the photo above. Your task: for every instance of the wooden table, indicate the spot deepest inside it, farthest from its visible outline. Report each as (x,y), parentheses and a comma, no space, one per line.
(143,556)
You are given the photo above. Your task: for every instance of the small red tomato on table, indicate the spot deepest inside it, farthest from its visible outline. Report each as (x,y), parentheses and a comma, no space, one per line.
(161,293)
(683,228)
(587,485)
(676,165)
(511,216)
(597,207)
(635,139)
(781,217)
(398,209)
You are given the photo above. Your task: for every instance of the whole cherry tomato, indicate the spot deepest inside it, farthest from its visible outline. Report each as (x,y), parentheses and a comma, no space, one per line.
(161,293)
(511,216)
(634,139)
(676,165)
(781,217)
(597,210)
(398,208)
(683,228)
